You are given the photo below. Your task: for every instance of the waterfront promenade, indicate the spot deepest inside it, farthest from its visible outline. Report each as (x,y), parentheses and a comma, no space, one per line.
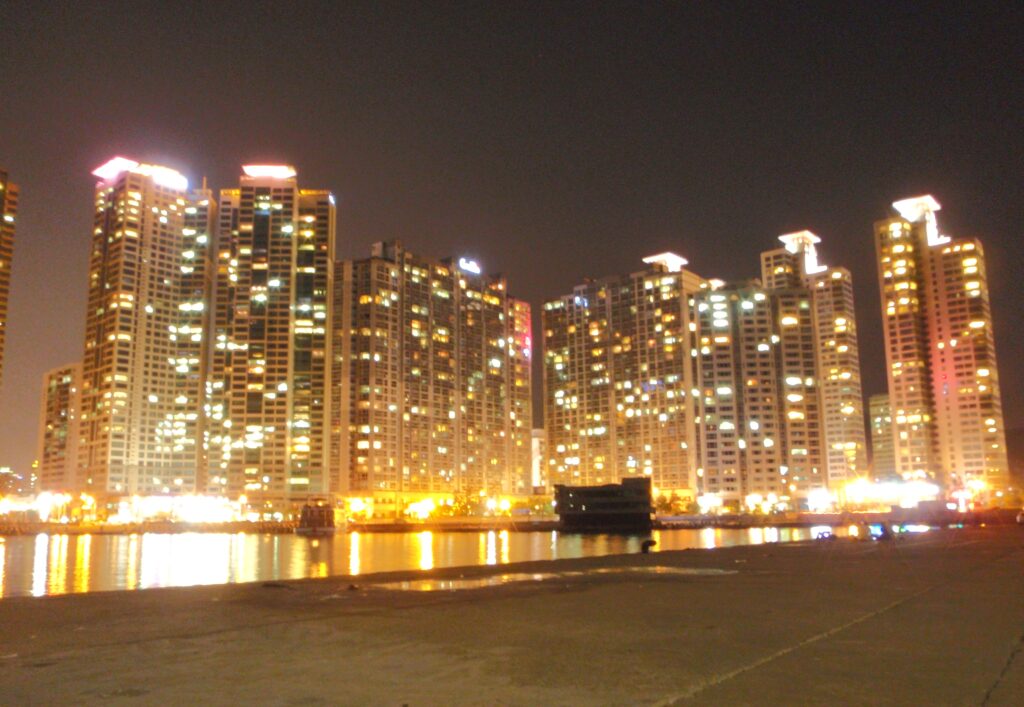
(933,619)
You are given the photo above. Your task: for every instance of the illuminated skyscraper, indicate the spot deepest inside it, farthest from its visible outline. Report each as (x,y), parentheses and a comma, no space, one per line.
(943,379)
(759,404)
(268,374)
(139,421)
(883,461)
(59,428)
(8,217)
(619,377)
(431,380)
(796,266)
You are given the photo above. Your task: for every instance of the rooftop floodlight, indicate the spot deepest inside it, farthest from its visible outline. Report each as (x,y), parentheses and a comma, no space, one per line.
(922,208)
(914,208)
(273,171)
(113,167)
(804,241)
(671,261)
(164,176)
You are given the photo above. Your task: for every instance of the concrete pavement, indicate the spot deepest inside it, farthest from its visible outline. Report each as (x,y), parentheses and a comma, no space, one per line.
(934,619)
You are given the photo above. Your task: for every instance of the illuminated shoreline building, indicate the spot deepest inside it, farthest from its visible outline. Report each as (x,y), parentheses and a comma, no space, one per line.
(431,378)
(59,428)
(834,323)
(139,422)
(883,459)
(759,406)
(940,350)
(267,397)
(8,219)
(619,379)
(780,405)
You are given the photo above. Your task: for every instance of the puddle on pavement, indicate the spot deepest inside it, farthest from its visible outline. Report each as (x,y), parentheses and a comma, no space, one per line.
(451,585)
(658,569)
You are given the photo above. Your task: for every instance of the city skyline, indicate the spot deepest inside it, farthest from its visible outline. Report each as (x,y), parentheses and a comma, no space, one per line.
(198,306)
(563,156)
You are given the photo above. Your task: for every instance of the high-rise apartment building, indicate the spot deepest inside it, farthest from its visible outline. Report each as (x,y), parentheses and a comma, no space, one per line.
(59,428)
(138,422)
(619,379)
(759,393)
(431,380)
(795,266)
(8,218)
(268,374)
(943,379)
(883,460)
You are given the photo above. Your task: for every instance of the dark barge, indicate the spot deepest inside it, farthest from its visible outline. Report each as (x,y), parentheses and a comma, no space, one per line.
(611,508)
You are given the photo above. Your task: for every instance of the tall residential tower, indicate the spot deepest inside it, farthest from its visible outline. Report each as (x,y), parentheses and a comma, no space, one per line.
(268,374)
(138,419)
(796,265)
(940,350)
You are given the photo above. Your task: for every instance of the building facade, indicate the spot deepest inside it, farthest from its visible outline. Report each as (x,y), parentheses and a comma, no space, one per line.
(883,460)
(267,396)
(135,413)
(539,462)
(431,380)
(759,404)
(59,428)
(619,379)
(8,219)
(940,350)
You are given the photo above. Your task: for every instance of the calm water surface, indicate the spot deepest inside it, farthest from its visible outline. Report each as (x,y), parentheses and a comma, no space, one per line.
(60,564)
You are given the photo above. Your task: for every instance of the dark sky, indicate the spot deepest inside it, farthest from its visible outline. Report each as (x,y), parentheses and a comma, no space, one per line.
(552,141)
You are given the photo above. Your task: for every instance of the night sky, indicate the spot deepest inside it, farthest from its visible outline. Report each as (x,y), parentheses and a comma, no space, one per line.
(551,141)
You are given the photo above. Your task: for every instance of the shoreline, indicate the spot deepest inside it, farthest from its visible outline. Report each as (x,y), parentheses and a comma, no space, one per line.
(994,516)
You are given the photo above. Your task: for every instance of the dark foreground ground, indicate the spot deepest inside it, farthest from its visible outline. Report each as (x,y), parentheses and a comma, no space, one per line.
(936,619)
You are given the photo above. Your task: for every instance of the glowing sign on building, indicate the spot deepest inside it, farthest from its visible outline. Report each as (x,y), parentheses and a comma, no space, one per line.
(467,265)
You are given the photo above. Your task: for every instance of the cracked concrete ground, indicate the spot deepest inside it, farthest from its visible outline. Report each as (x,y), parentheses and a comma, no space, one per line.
(934,619)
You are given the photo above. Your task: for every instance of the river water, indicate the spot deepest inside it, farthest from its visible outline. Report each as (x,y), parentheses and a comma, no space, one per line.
(60,564)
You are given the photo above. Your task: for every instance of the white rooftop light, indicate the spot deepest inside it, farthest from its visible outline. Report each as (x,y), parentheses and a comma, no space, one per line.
(165,176)
(804,241)
(113,167)
(793,241)
(671,261)
(273,171)
(914,208)
(922,208)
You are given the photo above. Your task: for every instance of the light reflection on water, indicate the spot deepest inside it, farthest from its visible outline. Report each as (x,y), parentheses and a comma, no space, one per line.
(60,564)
